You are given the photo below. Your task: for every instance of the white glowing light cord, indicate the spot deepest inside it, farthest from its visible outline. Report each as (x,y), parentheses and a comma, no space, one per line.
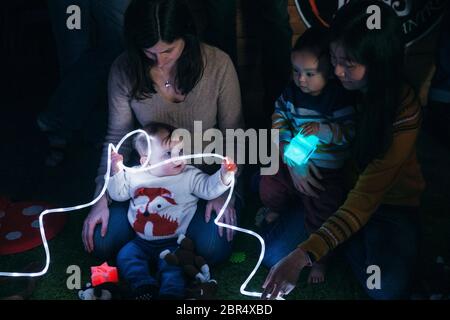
(145,167)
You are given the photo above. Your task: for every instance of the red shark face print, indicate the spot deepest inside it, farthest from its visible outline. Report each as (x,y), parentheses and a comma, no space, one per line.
(162,226)
(158,199)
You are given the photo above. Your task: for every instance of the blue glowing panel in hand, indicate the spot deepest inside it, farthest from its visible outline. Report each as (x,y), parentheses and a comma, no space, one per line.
(300,149)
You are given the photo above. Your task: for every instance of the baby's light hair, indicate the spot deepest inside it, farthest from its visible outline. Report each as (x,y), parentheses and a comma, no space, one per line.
(152,129)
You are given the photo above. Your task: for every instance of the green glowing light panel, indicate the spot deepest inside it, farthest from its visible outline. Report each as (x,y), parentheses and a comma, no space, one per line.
(300,149)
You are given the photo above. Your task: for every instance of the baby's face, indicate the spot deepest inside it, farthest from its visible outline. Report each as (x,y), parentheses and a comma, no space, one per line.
(306,73)
(163,149)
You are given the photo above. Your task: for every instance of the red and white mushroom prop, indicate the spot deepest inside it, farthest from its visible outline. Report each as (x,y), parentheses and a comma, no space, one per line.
(19,225)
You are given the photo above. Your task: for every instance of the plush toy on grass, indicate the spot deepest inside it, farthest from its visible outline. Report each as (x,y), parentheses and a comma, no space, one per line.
(104,284)
(193,265)
(102,292)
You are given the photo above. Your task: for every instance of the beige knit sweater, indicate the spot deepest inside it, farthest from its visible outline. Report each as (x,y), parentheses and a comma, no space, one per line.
(215,100)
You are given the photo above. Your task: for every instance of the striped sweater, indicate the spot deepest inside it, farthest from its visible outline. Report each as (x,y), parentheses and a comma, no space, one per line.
(395,179)
(333,109)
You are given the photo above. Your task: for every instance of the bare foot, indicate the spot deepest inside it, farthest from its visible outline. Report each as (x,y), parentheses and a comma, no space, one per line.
(317,273)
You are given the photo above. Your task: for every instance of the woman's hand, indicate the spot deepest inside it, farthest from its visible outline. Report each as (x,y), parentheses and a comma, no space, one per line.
(284,275)
(98,214)
(305,177)
(228,217)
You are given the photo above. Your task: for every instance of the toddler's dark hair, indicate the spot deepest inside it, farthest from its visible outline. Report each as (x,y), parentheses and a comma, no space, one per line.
(315,40)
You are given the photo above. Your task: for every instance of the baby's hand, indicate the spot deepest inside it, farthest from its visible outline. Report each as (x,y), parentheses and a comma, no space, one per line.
(309,128)
(116,158)
(227,171)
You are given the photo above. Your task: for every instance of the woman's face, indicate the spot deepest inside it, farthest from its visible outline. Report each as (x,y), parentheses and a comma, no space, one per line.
(352,75)
(165,54)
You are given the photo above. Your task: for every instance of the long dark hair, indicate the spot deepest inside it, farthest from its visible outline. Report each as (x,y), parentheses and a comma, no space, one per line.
(381,51)
(149,21)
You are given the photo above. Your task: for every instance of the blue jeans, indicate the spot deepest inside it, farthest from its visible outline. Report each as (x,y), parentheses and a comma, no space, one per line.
(208,244)
(84,63)
(389,240)
(137,257)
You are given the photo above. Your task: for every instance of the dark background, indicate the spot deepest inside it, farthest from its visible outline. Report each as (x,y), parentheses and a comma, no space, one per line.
(29,73)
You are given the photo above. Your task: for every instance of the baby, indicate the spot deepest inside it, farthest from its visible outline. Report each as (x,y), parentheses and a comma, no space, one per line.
(163,201)
(312,104)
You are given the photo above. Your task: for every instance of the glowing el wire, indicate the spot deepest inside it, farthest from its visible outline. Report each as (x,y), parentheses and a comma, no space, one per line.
(144,167)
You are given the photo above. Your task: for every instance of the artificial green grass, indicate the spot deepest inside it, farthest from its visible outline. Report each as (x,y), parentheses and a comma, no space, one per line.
(66,248)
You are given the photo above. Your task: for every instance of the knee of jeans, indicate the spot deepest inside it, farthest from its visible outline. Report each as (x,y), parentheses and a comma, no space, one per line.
(214,250)
(103,249)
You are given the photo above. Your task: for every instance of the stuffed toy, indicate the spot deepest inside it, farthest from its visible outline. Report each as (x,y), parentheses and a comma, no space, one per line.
(202,290)
(194,266)
(101,292)
(104,284)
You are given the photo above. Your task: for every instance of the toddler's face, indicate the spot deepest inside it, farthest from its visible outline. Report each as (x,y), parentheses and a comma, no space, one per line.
(306,73)
(163,148)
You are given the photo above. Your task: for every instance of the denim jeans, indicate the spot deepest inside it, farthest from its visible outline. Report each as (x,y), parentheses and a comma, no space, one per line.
(84,63)
(209,244)
(138,256)
(389,240)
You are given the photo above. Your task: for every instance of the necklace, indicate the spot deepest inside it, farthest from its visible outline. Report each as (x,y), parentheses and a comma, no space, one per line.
(167,84)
